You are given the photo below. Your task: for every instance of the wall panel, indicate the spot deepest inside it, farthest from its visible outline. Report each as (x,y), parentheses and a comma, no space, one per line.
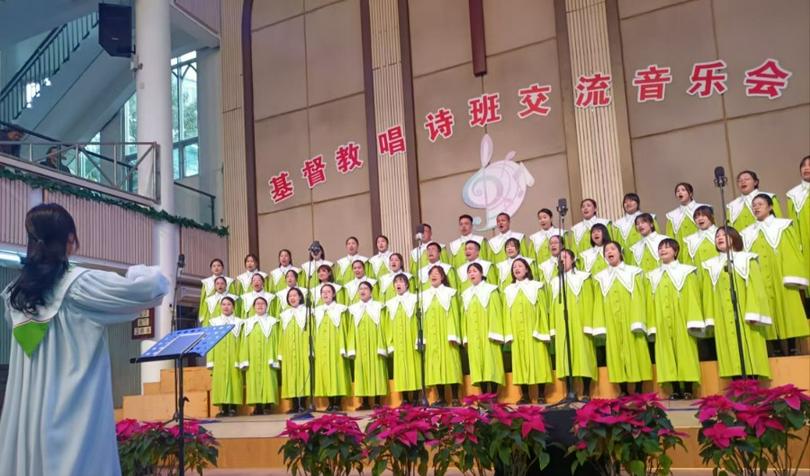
(13,207)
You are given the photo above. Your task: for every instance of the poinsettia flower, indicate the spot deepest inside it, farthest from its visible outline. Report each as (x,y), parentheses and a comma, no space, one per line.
(722,435)
(532,424)
(126,428)
(744,390)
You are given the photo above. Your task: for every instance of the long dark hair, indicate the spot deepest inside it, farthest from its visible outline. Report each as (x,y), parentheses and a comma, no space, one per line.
(49,227)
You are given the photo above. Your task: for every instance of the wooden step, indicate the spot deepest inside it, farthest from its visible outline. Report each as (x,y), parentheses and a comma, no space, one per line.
(152,388)
(161,406)
(195,379)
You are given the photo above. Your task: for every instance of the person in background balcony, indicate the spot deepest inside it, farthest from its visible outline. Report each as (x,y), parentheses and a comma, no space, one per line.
(54,161)
(11,135)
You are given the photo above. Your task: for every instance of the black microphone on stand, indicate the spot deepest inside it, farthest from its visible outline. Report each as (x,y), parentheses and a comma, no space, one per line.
(720,182)
(562,207)
(420,233)
(315,249)
(420,329)
(570,394)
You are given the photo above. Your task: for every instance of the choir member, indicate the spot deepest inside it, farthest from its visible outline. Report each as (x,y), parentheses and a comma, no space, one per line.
(578,241)
(539,240)
(277,280)
(776,243)
(351,288)
(619,314)
(421,251)
(242,282)
(208,288)
(434,253)
(332,377)
(482,329)
(442,330)
(378,264)
(512,249)
(366,344)
(700,244)
(308,276)
(259,358)
(343,267)
(644,253)
(527,328)
(740,211)
(402,339)
(548,268)
(325,276)
(498,242)
(624,229)
(681,221)
(293,351)
(752,302)
(211,306)
(255,290)
(223,360)
(592,260)
(290,282)
(457,248)
(386,282)
(675,319)
(472,252)
(579,298)
(798,207)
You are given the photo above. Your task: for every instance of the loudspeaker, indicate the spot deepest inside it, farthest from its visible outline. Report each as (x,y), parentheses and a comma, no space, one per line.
(115,29)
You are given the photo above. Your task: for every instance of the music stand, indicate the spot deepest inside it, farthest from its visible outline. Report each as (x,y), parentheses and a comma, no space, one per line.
(176,346)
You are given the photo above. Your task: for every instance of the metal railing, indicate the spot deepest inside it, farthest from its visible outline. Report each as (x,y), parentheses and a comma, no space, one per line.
(54,51)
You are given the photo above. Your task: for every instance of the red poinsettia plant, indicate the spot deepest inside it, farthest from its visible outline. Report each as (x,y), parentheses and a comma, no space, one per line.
(326,446)
(747,430)
(630,434)
(145,446)
(398,439)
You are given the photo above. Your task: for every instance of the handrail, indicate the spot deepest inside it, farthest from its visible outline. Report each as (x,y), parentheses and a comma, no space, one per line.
(46,61)
(195,190)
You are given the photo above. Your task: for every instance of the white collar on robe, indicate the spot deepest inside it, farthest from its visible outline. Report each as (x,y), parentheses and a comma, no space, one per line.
(442,293)
(459,242)
(497,242)
(585,226)
(315,265)
(624,273)
(798,195)
(333,311)
(281,272)
(424,273)
(53,302)
(215,298)
(249,298)
(626,223)
(771,229)
(529,288)
(372,308)
(590,255)
(423,249)
(298,313)
(649,242)
(541,237)
(677,216)
(316,292)
(482,291)
(387,279)
(407,300)
(735,207)
(462,270)
(574,280)
(222,320)
(505,267)
(265,323)
(676,271)
(742,264)
(694,240)
(548,266)
(347,261)
(353,285)
(246,277)
(379,260)
(209,282)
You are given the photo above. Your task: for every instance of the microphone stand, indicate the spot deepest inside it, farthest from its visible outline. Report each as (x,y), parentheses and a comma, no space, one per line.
(178,391)
(720,182)
(420,328)
(307,414)
(570,394)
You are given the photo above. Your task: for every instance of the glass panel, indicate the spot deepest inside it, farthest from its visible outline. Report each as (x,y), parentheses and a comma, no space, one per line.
(175,107)
(189,107)
(191,165)
(176,162)
(131,124)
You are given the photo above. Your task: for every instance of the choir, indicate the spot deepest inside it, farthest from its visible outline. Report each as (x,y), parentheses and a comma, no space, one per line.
(498,304)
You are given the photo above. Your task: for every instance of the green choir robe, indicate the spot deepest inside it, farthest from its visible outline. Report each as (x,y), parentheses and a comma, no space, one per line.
(490,273)
(456,249)
(681,222)
(379,264)
(277,279)
(244,285)
(776,242)
(482,332)
(798,207)
(548,270)
(619,313)
(223,360)
(442,336)
(332,377)
(740,214)
(527,328)
(578,239)
(497,246)
(350,294)
(423,257)
(592,260)
(754,314)
(505,271)
(207,290)
(386,290)
(366,344)
(247,300)
(402,339)
(343,268)
(699,247)
(675,318)
(538,244)
(317,300)
(424,274)
(644,254)
(579,296)
(623,230)
(258,356)
(281,299)
(293,352)
(210,307)
(307,278)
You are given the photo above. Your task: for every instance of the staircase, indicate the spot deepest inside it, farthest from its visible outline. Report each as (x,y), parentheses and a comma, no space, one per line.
(43,66)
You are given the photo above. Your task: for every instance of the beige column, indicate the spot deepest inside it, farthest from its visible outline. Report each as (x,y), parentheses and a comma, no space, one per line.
(389,109)
(602,138)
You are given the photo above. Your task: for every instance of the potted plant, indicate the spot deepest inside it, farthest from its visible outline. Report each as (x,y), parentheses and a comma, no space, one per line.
(457,440)
(398,438)
(631,434)
(143,448)
(329,445)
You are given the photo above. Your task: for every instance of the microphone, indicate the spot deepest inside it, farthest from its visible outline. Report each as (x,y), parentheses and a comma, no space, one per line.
(181,261)
(720,179)
(562,207)
(315,248)
(420,232)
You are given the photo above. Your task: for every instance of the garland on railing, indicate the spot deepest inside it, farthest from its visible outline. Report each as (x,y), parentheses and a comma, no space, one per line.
(92,195)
